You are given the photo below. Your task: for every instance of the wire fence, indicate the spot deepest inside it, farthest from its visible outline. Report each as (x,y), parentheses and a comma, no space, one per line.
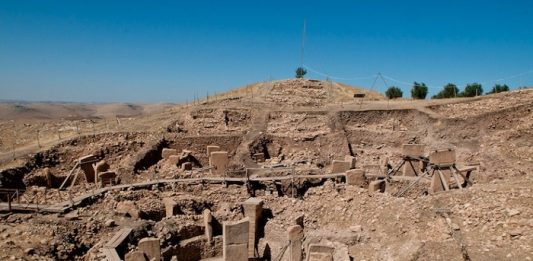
(20,137)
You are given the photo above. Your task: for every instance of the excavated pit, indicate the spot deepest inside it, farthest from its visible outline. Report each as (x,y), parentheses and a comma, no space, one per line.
(362,224)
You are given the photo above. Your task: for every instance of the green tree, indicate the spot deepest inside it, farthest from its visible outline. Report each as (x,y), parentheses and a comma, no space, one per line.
(394,92)
(449,90)
(300,72)
(499,88)
(472,89)
(419,91)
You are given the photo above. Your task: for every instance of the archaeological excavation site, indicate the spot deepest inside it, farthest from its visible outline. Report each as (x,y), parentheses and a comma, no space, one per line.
(285,170)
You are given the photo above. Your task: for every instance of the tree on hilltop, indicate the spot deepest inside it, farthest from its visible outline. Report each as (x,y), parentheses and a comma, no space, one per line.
(393,92)
(300,72)
(450,90)
(419,91)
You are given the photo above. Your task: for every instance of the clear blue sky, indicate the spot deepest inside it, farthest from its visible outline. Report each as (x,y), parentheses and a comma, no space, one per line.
(155,51)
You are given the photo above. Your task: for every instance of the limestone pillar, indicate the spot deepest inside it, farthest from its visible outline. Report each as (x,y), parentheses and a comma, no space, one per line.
(253,207)
(235,240)
(296,236)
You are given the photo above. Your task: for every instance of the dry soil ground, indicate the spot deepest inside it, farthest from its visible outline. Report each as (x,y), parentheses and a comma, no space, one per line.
(304,125)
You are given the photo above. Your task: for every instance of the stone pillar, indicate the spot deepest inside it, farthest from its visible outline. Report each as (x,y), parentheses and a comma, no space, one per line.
(355,177)
(150,246)
(208,219)
(235,240)
(413,150)
(170,206)
(86,165)
(339,166)
(377,186)
(212,148)
(296,236)
(253,207)
(166,153)
(219,161)
(350,159)
(135,256)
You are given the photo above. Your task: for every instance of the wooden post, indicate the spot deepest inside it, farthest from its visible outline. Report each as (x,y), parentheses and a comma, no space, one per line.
(38,141)
(8,202)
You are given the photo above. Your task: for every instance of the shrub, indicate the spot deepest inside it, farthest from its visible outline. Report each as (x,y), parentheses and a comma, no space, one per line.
(300,72)
(472,89)
(419,91)
(499,88)
(449,90)
(394,92)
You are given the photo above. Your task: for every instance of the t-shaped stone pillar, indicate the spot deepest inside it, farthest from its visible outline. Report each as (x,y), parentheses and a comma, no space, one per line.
(252,210)
(235,240)
(296,236)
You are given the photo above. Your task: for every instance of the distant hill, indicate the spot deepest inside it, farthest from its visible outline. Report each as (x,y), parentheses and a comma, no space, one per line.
(10,110)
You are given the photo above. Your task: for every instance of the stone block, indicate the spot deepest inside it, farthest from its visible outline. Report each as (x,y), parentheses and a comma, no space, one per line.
(442,157)
(101,166)
(170,206)
(356,177)
(173,159)
(259,157)
(208,224)
(407,169)
(166,153)
(377,186)
(151,247)
(350,159)
(186,166)
(135,255)
(235,240)
(127,208)
(413,150)
(107,178)
(339,166)
(212,148)
(86,165)
(219,162)
(236,252)
(317,252)
(436,184)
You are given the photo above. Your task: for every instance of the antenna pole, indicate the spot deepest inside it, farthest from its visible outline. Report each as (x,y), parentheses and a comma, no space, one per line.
(303,43)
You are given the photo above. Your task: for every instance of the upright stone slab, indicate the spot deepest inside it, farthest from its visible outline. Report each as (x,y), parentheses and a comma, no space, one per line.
(86,165)
(253,207)
(135,256)
(173,159)
(317,252)
(166,153)
(413,150)
(150,246)
(219,162)
(186,166)
(442,157)
(356,177)
(377,186)
(107,178)
(339,166)
(101,166)
(296,235)
(350,159)
(208,224)
(170,206)
(212,148)
(235,240)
